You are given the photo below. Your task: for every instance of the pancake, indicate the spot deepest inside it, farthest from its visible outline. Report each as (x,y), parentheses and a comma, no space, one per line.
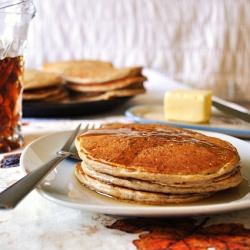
(78,65)
(105,81)
(155,164)
(40,85)
(107,86)
(156,153)
(127,194)
(52,93)
(228,181)
(62,96)
(88,97)
(99,74)
(37,79)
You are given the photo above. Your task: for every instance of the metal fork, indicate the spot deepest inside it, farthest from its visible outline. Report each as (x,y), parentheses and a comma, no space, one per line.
(73,150)
(11,196)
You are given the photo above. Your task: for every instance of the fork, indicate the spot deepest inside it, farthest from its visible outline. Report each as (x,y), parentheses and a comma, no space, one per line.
(73,151)
(11,196)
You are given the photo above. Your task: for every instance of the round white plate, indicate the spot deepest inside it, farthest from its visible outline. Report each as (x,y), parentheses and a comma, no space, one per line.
(62,187)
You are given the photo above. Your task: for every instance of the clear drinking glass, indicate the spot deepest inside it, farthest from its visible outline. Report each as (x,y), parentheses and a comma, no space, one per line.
(15,17)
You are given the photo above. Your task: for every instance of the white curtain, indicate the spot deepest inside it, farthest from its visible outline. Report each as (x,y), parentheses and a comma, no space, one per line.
(199,42)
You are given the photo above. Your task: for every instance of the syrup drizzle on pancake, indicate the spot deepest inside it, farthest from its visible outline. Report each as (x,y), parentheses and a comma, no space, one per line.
(158,149)
(177,137)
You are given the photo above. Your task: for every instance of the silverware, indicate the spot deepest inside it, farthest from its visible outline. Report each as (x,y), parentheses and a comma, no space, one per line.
(73,154)
(11,196)
(231,109)
(73,151)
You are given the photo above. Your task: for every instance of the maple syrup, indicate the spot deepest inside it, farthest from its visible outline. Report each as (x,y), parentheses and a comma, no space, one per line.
(177,136)
(11,77)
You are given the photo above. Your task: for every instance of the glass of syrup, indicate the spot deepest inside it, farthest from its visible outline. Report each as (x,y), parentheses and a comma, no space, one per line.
(15,17)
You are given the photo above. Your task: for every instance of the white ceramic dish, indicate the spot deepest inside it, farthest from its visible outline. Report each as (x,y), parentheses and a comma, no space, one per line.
(219,122)
(61,186)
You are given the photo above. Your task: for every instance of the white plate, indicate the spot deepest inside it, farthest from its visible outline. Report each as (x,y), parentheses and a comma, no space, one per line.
(219,121)
(61,186)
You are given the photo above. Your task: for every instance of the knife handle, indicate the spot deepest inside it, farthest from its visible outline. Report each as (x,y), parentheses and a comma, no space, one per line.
(12,195)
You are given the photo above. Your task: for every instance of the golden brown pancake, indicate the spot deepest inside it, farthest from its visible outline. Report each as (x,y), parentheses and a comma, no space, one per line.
(42,86)
(100,74)
(231,180)
(102,96)
(99,77)
(122,193)
(156,153)
(107,86)
(46,94)
(155,164)
(37,79)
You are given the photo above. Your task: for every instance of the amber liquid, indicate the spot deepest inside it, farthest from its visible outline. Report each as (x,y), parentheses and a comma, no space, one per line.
(11,77)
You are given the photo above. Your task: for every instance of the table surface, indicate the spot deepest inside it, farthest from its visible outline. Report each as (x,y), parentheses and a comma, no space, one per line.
(37,223)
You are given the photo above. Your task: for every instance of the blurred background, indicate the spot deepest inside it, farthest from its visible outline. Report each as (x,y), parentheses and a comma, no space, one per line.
(202,43)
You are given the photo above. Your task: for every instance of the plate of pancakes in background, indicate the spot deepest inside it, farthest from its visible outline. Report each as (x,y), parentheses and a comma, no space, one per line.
(80,87)
(146,170)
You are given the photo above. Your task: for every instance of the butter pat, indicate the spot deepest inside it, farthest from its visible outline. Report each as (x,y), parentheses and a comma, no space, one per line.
(192,106)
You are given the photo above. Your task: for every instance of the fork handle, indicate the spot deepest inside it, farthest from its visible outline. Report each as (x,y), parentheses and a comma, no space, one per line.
(11,196)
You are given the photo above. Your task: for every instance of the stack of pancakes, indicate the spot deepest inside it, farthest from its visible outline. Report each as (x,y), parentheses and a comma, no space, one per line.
(42,86)
(97,80)
(155,164)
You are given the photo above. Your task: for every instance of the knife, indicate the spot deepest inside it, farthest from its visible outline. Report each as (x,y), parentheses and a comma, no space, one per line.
(230,108)
(11,196)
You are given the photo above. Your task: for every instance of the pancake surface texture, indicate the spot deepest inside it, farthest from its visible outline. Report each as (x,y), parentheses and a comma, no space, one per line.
(156,159)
